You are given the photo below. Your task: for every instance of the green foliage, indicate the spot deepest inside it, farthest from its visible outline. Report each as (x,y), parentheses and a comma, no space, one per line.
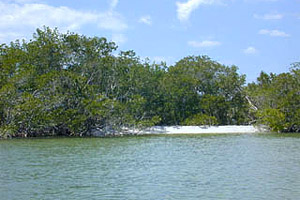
(200,119)
(273,118)
(149,122)
(69,84)
(277,99)
(196,84)
(8,131)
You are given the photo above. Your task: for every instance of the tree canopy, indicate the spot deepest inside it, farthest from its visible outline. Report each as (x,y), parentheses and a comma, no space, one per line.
(277,98)
(70,84)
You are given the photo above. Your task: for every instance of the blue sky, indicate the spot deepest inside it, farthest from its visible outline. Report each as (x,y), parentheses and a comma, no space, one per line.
(255,35)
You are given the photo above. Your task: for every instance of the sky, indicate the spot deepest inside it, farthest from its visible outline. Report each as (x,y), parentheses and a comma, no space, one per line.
(255,35)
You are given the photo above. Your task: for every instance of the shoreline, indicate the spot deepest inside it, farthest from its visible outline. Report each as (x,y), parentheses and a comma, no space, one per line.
(171,130)
(181,130)
(203,129)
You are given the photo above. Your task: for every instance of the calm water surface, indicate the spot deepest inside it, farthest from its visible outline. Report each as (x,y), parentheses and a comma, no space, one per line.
(154,167)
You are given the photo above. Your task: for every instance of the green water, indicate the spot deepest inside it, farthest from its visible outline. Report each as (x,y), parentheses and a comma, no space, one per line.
(154,167)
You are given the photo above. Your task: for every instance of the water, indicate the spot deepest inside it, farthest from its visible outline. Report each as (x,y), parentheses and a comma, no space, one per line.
(154,167)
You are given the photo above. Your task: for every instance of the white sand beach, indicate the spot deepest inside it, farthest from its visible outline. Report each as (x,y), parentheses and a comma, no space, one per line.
(172,130)
(199,130)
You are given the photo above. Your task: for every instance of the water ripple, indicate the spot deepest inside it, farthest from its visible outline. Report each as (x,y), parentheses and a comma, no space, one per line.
(172,167)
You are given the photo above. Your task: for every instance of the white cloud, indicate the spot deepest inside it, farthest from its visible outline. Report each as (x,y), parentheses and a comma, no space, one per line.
(10,36)
(184,10)
(254,1)
(205,43)
(114,3)
(250,50)
(21,1)
(146,20)
(273,33)
(269,16)
(119,38)
(25,18)
(111,21)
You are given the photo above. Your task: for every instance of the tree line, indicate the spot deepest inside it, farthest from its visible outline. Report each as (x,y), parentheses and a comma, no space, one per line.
(70,84)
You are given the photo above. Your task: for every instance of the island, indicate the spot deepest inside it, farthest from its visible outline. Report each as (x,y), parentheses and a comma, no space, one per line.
(66,84)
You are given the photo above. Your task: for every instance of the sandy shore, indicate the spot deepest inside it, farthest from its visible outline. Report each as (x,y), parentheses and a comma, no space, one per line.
(199,130)
(169,130)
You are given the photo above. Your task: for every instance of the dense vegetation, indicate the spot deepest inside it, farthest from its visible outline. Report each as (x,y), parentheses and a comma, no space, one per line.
(69,84)
(277,99)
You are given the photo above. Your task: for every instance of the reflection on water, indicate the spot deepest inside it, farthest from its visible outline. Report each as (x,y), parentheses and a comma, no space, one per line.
(160,167)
